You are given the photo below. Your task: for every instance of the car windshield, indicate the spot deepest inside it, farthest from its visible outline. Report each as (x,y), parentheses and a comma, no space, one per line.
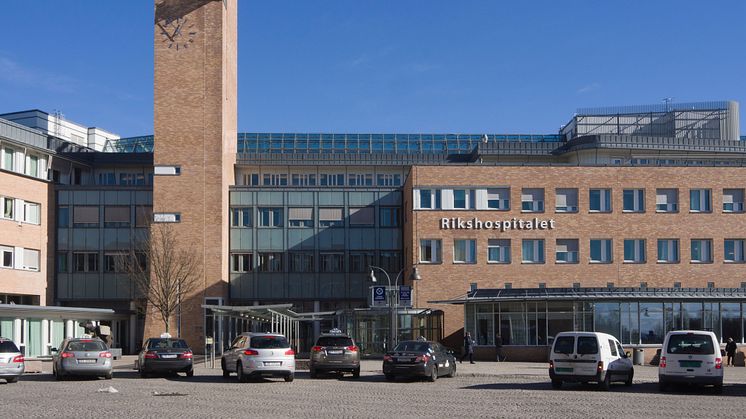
(334,341)
(564,344)
(86,346)
(269,342)
(412,347)
(690,344)
(587,345)
(8,346)
(167,344)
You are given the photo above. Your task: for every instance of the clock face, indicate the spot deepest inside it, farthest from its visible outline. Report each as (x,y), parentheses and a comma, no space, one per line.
(178,34)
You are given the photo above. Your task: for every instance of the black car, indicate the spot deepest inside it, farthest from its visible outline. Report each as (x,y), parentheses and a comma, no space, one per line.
(165,356)
(419,358)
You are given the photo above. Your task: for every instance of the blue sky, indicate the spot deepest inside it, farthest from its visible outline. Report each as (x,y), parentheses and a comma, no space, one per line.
(467,66)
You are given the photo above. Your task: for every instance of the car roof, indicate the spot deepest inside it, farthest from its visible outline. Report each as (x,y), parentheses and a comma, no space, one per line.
(254,334)
(79,339)
(341,335)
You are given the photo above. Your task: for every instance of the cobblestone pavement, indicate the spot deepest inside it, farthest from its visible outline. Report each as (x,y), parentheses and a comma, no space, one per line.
(480,390)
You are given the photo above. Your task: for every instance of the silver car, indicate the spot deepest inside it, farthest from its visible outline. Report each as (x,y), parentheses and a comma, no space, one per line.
(82,356)
(11,361)
(259,355)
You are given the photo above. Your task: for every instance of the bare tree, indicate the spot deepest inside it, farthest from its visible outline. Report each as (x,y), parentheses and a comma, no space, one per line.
(163,269)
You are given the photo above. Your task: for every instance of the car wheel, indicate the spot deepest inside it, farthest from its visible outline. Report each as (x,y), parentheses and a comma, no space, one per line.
(57,375)
(312,372)
(718,388)
(433,374)
(662,386)
(606,382)
(628,381)
(107,376)
(390,377)
(226,373)
(556,384)
(289,378)
(190,373)
(356,373)
(12,380)
(453,371)
(242,378)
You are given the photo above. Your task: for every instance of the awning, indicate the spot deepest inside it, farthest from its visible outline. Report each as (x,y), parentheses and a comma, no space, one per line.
(588,294)
(259,312)
(59,313)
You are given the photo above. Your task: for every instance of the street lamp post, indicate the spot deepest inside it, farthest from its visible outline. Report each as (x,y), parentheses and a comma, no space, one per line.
(393,301)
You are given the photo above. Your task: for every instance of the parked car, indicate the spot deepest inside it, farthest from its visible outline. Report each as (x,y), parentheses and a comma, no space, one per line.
(589,357)
(419,358)
(12,362)
(692,357)
(259,355)
(81,356)
(335,351)
(166,356)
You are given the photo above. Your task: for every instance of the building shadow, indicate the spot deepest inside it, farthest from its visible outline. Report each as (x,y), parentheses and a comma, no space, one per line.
(729,390)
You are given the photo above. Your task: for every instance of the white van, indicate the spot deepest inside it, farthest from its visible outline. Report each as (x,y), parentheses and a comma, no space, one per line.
(690,356)
(589,357)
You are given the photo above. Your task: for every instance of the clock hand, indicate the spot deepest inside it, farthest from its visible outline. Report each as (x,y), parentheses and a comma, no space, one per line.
(165,32)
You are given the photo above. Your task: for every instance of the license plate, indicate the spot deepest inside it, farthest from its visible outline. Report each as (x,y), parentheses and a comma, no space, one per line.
(86,361)
(4,360)
(405,359)
(563,369)
(168,356)
(272,364)
(335,352)
(690,364)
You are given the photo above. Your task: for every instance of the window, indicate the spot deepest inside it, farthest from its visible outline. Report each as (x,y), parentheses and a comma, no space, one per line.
(303,179)
(361,261)
(31,212)
(251,179)
(62,262)
(7,256)
(701,250)
(241,216)
(566,200)
(167,170)
(116,216)
(270,262)
(461,199)
(270,217)
(600,200)
(388,179)
(301,262)
(9,205)
(700,200)
(8,159)
(332,262)
(430,251)
(330,217)
(300,217)
(143,216)
(389,216)
(498,250)
(734,250)
(498,199)
(732,200)
(532,200)
(32,166)
(464,251)
(332,179)
(668,250)
(107,178)
(63,217)
(634,200)
(242,262)
(85,216)
(533,251)
(85,262)
(390,261)
(600,250)
(428,198)
(166,217)
(566,251)
(667,200)
(634,251)
(112,262)
(362,216)
(360,179)
(129,179)
(31,259)
(275,179)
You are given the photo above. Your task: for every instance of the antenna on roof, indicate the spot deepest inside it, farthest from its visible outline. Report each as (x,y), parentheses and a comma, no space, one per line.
(485,138)
(57,122)
(667,101)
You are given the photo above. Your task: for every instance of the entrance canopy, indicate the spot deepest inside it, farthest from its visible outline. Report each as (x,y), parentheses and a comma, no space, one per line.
(19,311)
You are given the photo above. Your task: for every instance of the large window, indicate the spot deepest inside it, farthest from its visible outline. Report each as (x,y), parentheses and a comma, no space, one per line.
(700,200)
(361,261)
(31,212)
(270,262)
(362,216)
(143,216)
(464,251)
(733,200)
(360,179)
(388,179)
(332,179)
(275,179)
(701,250)
(430,251)
(730,315)
(566,251)
(116,216)
(498,199)
(532,200)
(241,216)
(601,251)
(498,250)
(85,261)
(113,262)
(734,250)
(301,262)
(389,216)
(330,217)
(9,159)
(62,262)
(428,199)
(85,216)
(270,217)
(651,323)
(668,250)
(332,262)
(566,200)
(667,200)
(300,217)
(242,262)
(303,179)
(634,251)
(63,217)
(8,209)
(634,200)
(462,199)
(6,260)
(600,200)
(533,251)
(390,261)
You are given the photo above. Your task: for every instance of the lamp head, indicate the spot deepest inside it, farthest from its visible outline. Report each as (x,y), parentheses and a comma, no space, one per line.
(372,276)
(416,274)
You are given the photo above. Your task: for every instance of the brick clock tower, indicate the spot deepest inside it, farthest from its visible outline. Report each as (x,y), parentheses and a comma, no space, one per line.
(195,141)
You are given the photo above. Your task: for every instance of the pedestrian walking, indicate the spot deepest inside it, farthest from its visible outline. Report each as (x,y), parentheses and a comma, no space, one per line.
(499,347)
(468,348)
(730,350)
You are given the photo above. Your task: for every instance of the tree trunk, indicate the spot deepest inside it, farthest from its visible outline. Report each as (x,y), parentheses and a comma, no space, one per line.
(165,320)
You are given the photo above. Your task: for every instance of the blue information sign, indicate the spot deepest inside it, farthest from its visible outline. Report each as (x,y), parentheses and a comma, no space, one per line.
(379,295)
(405,295)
